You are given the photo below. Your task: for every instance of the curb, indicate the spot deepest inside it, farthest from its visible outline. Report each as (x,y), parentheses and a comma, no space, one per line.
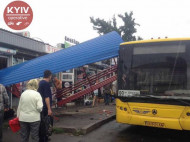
(91,127)
(86,129)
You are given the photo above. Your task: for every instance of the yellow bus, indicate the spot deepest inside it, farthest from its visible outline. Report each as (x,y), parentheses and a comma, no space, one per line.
(154,83)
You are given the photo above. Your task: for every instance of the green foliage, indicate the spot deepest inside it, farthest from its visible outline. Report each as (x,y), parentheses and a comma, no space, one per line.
(127,30)
(5,125)
(78,132)
(58,130)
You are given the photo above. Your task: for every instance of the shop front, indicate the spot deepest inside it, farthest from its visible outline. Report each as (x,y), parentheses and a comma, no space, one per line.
(6,57)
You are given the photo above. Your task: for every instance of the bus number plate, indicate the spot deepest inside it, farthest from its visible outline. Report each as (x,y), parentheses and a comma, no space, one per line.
(154,124)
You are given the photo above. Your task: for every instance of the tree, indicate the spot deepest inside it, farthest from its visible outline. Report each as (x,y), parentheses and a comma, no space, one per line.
(127,30)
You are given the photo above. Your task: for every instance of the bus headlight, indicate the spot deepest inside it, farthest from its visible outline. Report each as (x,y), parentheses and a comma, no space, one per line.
(121,108)
(188,113)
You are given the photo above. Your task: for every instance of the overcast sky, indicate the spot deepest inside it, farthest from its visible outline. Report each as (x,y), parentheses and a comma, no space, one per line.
(55,19)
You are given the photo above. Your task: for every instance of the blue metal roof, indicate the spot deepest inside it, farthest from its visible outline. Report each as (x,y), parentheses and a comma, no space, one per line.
(100,48)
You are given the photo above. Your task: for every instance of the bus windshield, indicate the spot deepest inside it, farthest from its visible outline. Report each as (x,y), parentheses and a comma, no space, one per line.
(160,71)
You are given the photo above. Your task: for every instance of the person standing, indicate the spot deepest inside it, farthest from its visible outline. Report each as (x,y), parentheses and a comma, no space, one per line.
(95,94)
(4,105)
(58,87)
(28,112)
(45,91)
(113,90)
(107,92)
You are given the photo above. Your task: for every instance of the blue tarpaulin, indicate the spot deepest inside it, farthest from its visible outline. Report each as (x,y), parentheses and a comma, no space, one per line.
(100,48)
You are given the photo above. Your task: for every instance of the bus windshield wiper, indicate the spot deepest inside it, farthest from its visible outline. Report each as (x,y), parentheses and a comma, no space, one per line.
(176,98)
(180,99)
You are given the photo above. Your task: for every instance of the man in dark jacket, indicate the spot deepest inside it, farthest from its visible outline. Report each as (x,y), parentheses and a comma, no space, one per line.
(45,91)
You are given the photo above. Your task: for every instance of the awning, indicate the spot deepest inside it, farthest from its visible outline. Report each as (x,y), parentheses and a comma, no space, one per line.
(100,48)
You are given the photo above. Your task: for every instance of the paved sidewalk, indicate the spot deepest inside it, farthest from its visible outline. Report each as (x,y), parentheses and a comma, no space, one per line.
(81,120)
(76,120)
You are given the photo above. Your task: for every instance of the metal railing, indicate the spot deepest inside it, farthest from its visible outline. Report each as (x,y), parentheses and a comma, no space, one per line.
(107,75)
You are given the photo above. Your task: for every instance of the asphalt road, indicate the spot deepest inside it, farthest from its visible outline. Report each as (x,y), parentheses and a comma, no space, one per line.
(115,132)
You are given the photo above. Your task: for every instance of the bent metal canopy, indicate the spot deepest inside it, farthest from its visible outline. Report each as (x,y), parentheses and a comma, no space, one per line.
(100,48)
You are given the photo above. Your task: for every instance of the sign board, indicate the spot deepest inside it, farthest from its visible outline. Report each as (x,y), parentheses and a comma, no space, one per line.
(6,51)
(67,44)
(66,84)
(51,49)
(71,40)
(25,33)
(128,93)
